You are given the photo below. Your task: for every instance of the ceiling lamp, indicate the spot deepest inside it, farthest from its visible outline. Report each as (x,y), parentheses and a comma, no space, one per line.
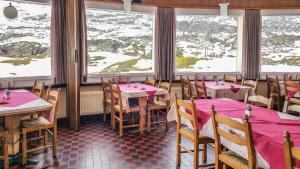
(127,6)
(224,9)
(10,12)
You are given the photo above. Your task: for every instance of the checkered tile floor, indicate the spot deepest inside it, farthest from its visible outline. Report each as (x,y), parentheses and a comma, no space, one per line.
(97,146)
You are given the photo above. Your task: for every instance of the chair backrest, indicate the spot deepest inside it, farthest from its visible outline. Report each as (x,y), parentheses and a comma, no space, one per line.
(291,86)
(200,89)
(250,83)
(259,100)
(238,133)
(151,81)
(200,77)
(185,87)
(189,113)
(38,89)
(116,94)
(165,85)
(293,105)
(106,88)
(52,97)
(291,153)
(273,86)
(231,79)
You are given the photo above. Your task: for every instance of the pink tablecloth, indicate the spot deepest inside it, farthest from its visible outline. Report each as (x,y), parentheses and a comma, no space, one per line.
(137,90)
(267,127)
(17,98)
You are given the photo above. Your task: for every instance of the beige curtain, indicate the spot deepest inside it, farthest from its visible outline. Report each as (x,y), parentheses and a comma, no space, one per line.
(83,48)
(165,43)
(252,43)
(58,41)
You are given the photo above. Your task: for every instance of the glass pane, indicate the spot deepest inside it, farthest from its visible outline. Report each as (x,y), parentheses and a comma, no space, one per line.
(119,42)
(280,44)
(206,43)
(25,41)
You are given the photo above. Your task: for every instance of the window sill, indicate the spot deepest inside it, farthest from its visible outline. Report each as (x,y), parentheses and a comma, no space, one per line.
(95,78)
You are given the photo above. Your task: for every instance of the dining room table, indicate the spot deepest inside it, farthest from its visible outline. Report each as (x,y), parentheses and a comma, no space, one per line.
(222,89)
(145,94)
(20,103)
(268,127)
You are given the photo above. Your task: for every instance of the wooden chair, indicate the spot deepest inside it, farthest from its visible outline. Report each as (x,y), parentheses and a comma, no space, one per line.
(200,77)
(291,153)
(45,122)
(259,100)
(226,157)
(250,83)
(230,79)
(107,98)
(200,89)
(293,105)
(191,134)
(119,110)
(38,89)
(274,91)
(4,157)
(185,88)
(291,86)
(160,104)
(151,81)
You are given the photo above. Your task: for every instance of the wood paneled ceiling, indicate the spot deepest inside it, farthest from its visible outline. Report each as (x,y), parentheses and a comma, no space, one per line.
(234,4)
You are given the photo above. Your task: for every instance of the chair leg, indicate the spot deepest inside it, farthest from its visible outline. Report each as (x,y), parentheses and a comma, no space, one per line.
(167,124)
(45,137)
(5,154)
(196,156)
(224,166)
(54,140)
(178,149)
(204,154)
(104,111)
(149,121)
(113,120)
(121,124)
(24,148)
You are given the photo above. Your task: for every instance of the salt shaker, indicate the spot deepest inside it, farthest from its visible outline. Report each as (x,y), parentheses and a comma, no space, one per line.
(248,110)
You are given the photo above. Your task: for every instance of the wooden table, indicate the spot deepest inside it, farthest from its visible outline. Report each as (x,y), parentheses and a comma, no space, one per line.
(134,91)
(12,116)
(223,90)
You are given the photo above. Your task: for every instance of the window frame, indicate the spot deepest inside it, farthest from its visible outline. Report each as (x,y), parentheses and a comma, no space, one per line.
(233,12)
(92,77)
(277,12)
(29,79)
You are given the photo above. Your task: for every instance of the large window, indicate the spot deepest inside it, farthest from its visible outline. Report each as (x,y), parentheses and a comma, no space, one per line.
(280,44)
(25,41)
(207,43)
(119,42)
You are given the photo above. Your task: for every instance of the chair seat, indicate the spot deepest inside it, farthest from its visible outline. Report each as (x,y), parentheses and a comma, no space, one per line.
(189,133)
(127,109)
(34,122)
(233,159)
(295,100)
(157,105)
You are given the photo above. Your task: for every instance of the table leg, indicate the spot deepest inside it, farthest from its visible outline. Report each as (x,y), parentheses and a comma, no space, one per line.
(143,105)
(12,125)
